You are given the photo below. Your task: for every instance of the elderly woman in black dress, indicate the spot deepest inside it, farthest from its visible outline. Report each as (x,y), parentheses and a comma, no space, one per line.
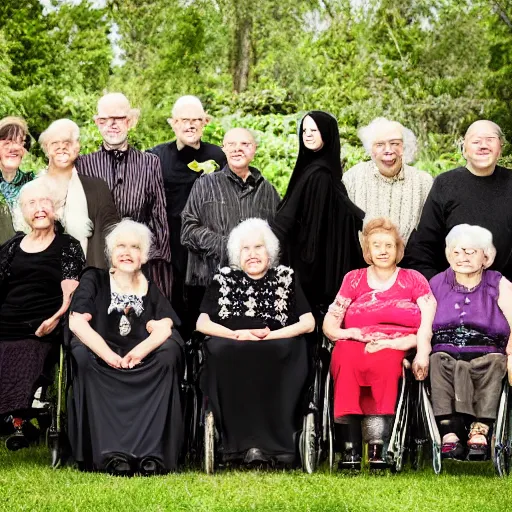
(38,273)
(254,314)
(125,411)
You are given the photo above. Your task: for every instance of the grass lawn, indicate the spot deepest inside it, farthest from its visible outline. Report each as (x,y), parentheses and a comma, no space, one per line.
(28,483)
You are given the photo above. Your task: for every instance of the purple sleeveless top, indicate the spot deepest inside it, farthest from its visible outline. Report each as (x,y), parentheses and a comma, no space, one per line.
(468,321)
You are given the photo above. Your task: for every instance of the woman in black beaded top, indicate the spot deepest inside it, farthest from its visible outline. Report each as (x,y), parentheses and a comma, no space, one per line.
(254,314)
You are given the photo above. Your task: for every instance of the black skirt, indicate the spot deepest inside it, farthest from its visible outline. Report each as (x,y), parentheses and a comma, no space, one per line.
(136,412)
(255,390)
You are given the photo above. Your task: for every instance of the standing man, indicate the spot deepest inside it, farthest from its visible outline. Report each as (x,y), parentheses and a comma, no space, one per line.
(134,178)
(386,186)
(220,201)
(183,161)
(479,194)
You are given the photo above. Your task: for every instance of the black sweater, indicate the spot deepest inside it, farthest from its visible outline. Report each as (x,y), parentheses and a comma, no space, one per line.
(460,197)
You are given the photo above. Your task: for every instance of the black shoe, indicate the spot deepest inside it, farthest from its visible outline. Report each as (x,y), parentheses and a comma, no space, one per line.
(149,466)
(376,456)
(119,466)
(350,460)
(254,455)
(17,441)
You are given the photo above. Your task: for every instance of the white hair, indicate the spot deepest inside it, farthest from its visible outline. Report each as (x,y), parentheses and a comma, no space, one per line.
(471,237)
(43,186)
(62,128)
(368,133)
(250,227)
(186,101)
(128,226)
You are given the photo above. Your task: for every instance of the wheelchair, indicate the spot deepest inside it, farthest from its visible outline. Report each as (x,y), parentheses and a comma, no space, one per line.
(501,437)
(49,406)
(402,440)
(203,438)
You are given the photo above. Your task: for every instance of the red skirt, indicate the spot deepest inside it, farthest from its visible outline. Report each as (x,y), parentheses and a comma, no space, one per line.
(365,383)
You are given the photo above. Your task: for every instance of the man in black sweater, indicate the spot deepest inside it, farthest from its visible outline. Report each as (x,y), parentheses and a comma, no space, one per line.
(182,162)
(479,194)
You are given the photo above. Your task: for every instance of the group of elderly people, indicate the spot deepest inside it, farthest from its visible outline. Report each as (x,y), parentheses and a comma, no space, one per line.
(257,274)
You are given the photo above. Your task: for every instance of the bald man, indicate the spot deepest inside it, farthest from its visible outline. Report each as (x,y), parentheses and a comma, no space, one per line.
(480,193)
(220,201)
(183,161)
(134,178)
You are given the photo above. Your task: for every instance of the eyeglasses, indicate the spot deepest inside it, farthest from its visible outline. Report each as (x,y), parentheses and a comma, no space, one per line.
(236,145)
(7,143)
(106,121)
(193,121)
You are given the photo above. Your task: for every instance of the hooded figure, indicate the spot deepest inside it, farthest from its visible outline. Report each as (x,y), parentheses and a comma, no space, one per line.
(316,222)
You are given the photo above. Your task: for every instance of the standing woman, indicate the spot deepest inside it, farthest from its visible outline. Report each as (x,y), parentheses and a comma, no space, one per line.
(316,222)
(85,205)
(14,144)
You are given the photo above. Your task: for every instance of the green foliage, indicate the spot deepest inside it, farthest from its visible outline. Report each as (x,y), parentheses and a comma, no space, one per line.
(436,66)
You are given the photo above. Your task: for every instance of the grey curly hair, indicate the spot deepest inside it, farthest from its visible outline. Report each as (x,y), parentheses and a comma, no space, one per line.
(368,133)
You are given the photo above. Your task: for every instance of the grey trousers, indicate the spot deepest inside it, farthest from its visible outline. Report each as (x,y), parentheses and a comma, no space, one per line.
(467,387)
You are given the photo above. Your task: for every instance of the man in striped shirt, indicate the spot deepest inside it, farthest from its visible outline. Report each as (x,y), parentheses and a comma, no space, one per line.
(220,201)
(134,178)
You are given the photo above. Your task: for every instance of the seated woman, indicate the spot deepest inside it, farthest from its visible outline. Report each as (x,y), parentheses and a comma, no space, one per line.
(377,316)
(38,273)
(125,411)
(471,337)
(256,358)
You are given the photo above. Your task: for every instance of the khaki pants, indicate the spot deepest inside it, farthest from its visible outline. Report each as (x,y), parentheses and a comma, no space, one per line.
(467,387)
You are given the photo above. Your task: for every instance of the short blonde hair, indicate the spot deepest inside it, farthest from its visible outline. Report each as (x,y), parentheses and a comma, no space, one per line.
(129,226)
(472,237)
(250,227)
(381,225)
(58,128)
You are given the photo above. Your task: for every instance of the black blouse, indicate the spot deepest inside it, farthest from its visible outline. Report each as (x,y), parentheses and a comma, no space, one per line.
(93,296)
(30,284)
(237,301)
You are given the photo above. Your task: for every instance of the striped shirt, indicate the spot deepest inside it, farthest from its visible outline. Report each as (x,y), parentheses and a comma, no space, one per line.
(135,180)
(217,203)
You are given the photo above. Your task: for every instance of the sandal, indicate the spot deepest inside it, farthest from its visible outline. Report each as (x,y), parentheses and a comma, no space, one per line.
(477,440)
(452,447)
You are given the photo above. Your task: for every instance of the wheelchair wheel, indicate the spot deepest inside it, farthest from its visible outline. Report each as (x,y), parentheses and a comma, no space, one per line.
(500,444)
(308,444)
(327,423)
(433,432)
(209,443)
(397,442)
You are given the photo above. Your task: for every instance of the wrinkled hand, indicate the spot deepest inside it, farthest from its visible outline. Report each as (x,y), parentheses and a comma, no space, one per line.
(420,366)
(354,333)
(376,345)
(153,324)
(246,335)
(47,327)
(112,359)
(133,358)
(260,333)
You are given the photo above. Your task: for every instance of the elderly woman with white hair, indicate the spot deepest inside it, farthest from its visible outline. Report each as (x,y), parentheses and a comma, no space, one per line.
(125,412)
(85,205)
(38,273)
(386,186)
(255,315)
(471,337)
